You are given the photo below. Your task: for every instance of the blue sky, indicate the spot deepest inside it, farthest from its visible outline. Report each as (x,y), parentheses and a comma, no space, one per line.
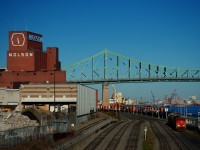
(156,31)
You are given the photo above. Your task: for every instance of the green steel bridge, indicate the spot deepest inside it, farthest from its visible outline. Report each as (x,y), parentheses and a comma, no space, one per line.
(110,67)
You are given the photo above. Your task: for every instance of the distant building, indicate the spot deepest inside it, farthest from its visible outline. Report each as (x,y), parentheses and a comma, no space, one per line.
(118,97)
(193,98)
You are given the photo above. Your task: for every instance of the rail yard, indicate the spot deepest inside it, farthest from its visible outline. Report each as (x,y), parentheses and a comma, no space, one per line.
(106,130)
(128,133)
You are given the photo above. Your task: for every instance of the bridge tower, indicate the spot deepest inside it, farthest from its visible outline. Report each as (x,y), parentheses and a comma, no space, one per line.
(105,94)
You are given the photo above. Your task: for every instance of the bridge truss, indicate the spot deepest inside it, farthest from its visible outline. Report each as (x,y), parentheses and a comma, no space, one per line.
(107,66)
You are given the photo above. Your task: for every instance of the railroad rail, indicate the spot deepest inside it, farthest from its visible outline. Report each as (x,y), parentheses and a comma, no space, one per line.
(133,137)
(83,135)
(117,137)
(98,140)
(126,134)
(132,141)
(164,144)
(180,144)
(82,130)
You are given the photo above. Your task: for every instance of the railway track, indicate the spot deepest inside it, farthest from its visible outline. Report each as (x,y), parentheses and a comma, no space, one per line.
(173,137)
(132,142)
(126,134)
(117,137)
(98,140)
(179,143)
(164,144)
(89,126)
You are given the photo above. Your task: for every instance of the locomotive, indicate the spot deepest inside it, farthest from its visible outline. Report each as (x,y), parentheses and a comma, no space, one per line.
(176,121)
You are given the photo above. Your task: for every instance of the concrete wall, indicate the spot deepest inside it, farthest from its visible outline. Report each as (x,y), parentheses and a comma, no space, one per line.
(82,119)
(9,96)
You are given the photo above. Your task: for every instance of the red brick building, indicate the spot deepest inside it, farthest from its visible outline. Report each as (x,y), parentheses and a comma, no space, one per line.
(28,63)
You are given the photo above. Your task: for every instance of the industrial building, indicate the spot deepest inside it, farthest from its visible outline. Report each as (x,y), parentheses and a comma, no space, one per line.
(28,63)
(33,77)
(61,97)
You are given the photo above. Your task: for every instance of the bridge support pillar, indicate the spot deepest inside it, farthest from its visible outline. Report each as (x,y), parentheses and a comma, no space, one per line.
(105,94)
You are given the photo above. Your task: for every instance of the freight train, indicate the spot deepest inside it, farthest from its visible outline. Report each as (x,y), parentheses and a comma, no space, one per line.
(176,121)
(131,108)
(121,107)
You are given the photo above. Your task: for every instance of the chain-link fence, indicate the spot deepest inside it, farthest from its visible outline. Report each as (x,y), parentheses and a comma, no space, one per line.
(49,125)
(13,137)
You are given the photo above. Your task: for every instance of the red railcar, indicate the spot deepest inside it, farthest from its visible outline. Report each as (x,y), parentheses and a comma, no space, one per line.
(112,107)
(176,122)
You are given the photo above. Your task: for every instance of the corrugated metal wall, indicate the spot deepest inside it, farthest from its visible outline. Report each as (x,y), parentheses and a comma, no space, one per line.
(86,100)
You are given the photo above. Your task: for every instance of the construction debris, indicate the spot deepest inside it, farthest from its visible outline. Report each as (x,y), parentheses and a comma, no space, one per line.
(14,120)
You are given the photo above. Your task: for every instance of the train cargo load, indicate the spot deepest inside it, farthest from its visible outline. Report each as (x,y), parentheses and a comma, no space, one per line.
(176,121)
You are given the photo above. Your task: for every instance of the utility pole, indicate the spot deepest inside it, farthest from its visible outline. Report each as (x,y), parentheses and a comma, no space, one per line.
(132,106)
(186,110)
(154,101)
(116,98)
(54,87)
(141,109)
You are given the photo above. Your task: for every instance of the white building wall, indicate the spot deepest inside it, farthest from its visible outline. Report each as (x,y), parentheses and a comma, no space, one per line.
(9,96)
(86,100)
(45,93)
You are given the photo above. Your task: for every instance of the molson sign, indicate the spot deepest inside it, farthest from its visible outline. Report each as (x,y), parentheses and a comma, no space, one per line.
(34,38)
(20,54)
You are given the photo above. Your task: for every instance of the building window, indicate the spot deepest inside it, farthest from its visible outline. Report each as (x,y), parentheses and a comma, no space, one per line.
(51,74)
(17,74)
